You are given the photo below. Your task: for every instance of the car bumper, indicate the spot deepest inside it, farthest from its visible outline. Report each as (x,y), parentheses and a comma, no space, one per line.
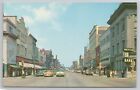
(48,75)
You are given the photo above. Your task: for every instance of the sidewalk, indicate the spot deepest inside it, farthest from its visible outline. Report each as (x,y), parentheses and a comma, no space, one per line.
(19,77)
(115,77)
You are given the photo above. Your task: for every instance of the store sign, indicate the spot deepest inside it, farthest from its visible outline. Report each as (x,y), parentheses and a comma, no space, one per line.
(128,49)
(128,60)
(20,63)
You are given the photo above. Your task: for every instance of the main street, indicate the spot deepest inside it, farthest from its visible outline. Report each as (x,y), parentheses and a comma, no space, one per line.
(70,80)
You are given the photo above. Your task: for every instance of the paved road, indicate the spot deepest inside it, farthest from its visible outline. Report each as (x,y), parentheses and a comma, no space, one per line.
(70,80)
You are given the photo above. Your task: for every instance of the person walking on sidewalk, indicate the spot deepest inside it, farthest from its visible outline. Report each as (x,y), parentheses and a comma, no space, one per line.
(108,73)
(113,74)
(123,72)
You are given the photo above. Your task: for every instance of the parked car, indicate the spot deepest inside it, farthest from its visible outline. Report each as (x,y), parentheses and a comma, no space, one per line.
(49,73)
(40,73)
(60,74)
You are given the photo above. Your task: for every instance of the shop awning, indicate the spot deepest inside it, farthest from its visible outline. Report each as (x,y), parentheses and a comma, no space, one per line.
(102,66)
(28,65)
(105,63)
(38,67)
(14,66)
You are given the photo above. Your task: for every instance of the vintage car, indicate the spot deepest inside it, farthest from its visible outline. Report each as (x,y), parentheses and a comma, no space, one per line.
(48,73)
(60,74)
(40,73)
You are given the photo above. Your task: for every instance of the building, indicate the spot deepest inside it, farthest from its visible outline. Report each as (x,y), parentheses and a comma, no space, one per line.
(9,47)
(123,27)
(17,40)
(75,65)
(56,63)
(42,59)
(21,57)
(32,63)
(105,51)
(49,59)
(81,62)
(87,58)
(94,36)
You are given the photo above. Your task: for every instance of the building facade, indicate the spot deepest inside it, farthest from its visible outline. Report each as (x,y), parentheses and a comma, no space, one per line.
(81,62)
(49,59)
(32,55)
(94,36)
(43,54)
(123,27)
(9,47)
(105,51)
(75,65)
(87,58)
(21,45)
(20,52)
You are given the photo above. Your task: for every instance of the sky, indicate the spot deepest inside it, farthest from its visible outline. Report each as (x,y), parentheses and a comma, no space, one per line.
(62,27)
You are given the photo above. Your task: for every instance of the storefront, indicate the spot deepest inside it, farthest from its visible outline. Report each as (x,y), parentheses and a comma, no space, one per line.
(13,70)
(129,58)
(105,66)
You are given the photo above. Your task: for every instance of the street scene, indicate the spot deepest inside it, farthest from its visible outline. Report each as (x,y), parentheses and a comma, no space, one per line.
(70,80)
(71,44)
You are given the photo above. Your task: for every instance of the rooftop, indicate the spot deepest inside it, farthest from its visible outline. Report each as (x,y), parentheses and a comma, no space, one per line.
(120,9)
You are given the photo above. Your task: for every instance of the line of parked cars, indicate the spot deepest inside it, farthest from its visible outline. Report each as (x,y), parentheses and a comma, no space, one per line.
(50,73)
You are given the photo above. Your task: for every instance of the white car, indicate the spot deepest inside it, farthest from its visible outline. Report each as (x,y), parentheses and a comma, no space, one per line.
(88,72)
(60,74)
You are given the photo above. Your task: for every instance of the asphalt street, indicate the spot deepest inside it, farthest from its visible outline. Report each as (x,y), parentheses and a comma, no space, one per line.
(70,80)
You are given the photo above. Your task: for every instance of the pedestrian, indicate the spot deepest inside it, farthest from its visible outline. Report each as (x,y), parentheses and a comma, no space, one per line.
(123,73)
(108,73)
(113,73)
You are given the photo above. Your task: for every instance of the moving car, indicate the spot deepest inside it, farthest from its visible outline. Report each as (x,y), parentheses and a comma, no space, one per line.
(60,74)
(78,71)
(48,73)
(88,72)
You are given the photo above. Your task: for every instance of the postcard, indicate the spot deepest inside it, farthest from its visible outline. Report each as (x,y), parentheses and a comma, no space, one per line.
(69,44)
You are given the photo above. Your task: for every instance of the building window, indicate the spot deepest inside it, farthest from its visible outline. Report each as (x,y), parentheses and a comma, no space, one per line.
(10,29)
(117,28)
(113,50)
(107,38)
(25,51)
(123,24)
(117,48)
(112,32)
(135,43)
(123,44)
(18,49)
(108,51)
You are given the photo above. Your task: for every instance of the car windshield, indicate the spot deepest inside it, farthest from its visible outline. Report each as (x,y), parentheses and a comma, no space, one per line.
(40,71)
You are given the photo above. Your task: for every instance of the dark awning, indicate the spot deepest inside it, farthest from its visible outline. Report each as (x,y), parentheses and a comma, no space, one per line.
(14,66)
